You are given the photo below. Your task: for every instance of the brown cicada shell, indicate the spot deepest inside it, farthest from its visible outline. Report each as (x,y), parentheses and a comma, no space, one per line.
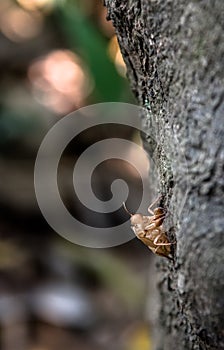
(149,229)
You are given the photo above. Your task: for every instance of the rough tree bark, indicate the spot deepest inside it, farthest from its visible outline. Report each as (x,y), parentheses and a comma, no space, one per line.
(174,54)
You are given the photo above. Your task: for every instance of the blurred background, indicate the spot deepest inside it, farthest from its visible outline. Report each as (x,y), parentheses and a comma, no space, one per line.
(57,56)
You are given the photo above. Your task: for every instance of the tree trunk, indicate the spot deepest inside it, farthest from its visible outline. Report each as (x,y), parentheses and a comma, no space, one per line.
(174,52)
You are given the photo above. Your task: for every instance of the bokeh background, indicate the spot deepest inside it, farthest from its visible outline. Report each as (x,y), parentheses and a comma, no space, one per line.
(57,56)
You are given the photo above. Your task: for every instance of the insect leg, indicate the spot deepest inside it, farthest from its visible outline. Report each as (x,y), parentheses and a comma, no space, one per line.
(158,220)
(153,203)
(160,244)
(162,254)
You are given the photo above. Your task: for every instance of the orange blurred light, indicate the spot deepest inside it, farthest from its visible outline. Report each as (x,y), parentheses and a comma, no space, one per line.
(116,56)
(59,81)
(33,5)
(19,25)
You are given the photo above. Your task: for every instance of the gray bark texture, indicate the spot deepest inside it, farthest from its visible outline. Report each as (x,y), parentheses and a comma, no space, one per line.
(174,52)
